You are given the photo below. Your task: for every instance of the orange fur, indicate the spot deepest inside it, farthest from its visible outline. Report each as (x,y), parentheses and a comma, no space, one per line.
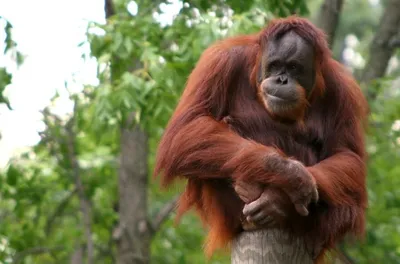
(329,141)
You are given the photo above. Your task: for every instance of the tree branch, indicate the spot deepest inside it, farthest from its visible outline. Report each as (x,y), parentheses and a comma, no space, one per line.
(84,202)
(18,257)
(68,140)
(163,215)
(77,255)
(382,46)
(328,18)
(58,211)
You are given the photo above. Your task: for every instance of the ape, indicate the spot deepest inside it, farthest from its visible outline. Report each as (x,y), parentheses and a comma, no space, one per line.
(269,132)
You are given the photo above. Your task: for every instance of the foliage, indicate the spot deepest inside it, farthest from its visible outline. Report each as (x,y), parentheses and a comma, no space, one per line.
(5,79)
(382,241)
(143,65)
(10,46)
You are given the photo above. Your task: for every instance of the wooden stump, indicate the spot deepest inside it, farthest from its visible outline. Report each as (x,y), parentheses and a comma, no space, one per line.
(270,246)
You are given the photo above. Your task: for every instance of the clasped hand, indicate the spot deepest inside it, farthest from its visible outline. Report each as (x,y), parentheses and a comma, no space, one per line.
(270,205)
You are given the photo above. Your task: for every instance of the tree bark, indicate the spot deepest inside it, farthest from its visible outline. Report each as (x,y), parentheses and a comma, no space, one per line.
(328,18)
(77,256)
(109,8)
(269,246)
(133,232)
(382,46)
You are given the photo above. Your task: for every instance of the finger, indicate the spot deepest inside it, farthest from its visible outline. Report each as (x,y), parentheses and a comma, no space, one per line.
(275,210)
(227,119)
(315,195)
(263,219)
(257,216)
(300,201)
(239,188)
(301,209)
(291,192)
(243,194)
(240,191)
(252,208)
(240,184)
(268,220)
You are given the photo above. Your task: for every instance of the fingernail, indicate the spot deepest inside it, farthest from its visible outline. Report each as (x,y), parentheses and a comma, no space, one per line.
(301,209)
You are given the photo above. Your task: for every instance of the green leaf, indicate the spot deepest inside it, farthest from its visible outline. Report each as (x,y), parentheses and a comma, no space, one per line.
(12,175)
(5,79)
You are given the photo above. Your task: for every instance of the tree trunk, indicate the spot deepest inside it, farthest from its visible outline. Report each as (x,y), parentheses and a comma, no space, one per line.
(77,256)
(269,246)
(133,232)
(382,46)
(328,18)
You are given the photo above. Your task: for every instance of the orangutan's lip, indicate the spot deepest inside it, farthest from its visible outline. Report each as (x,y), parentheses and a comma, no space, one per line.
(281,100)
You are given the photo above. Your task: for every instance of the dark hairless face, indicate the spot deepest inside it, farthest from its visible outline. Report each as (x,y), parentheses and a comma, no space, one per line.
(287,73)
